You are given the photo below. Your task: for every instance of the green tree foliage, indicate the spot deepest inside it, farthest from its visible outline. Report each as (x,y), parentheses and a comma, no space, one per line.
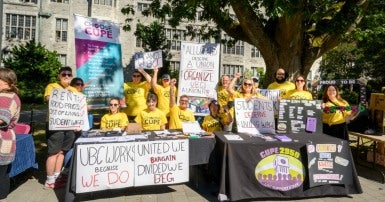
(289,34)
(35,67)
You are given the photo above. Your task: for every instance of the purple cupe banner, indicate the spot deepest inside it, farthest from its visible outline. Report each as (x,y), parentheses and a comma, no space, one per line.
(98,59)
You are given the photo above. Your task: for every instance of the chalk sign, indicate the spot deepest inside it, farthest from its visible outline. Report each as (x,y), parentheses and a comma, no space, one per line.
(272,95)
(67,110)
(148,60)
(161,162)
(104,166)
(254,116)
(299,116)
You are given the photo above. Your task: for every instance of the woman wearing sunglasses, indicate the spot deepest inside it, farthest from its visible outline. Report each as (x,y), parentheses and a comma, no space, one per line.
(247,89)
(115,119)
(300,92)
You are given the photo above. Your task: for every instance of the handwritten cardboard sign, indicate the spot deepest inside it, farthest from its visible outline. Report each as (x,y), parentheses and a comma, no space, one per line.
(254,116)
(67,110)
(104,166)
(272,95)
(116,165)
(148,60)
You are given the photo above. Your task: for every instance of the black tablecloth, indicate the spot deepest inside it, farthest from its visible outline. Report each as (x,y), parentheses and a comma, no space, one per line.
(199,153)
(243,161)
(25,156)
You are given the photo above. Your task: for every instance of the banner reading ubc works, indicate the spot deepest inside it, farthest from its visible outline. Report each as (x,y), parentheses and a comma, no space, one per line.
(98,59)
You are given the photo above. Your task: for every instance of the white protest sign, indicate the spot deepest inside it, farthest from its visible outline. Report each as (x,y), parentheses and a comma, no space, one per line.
(148,60)
(254,116)
(199,66)
(104,166)
(161,162)
(67,110)
(272,95)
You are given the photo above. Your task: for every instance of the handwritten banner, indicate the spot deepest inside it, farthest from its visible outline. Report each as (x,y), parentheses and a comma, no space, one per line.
(199,68)
(104,166)
(67,110)
(254,116)
(161,162)
(148,60)
(115,165)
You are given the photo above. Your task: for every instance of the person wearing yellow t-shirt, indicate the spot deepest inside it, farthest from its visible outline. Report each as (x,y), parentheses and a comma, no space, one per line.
(163,91)
(300,92)
(281,83)
(334,113)
(216,121)
(58,141)
(114,119)
(247,90)
(135,93)
(181,113)
(152,118)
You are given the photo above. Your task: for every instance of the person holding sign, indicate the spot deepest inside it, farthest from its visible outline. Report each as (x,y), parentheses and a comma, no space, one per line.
(300,92)
(335,112)
(280,82)
(9,114)
(135,93)
(152,118)
(216,121)
(247,89)
(163,91)
(181,113)
(114,120)
(58,141)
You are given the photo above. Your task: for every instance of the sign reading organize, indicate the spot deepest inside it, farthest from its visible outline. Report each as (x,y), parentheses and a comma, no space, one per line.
(148,60)
(67,110)
(104,166)
(254,116)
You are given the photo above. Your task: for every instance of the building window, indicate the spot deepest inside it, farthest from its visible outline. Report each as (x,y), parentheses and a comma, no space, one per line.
(237,49)
(255,53)
(61,1)
(61,29)
(174,38)
(231,70)
(143,6)
(103,2)
(63,59)
(29,1)
(174,66)
(21,27)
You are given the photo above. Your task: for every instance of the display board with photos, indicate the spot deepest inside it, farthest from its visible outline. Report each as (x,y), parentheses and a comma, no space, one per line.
(299,116)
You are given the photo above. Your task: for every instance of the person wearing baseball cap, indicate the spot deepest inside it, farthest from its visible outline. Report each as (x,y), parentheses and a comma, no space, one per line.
(216,121)
(163,91)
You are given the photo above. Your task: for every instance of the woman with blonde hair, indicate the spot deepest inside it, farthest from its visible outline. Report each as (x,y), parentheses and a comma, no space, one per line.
(300,92)
(247,89)
(114,119)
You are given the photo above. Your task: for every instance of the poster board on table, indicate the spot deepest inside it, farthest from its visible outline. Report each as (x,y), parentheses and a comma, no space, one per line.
(98,59)
(104,166)
(148,60)
(272,95)
(199,72)
(328,163)
(161,162)
(299,116)
(254,116)
(67,111)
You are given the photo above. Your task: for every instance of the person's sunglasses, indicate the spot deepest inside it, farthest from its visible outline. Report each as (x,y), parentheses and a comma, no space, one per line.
(281,74)
(183,100)
(79,84)
(300,80)
(247,84)
(64,75)
(136,76)
(166,79)
(115,105)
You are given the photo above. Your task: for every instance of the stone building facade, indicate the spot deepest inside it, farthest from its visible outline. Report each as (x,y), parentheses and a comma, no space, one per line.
(51,23)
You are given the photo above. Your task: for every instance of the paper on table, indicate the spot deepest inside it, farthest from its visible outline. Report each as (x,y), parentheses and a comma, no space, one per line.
(233,137)
(191,127)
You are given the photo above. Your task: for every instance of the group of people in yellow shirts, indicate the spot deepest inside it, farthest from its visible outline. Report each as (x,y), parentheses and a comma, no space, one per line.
(157,109)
